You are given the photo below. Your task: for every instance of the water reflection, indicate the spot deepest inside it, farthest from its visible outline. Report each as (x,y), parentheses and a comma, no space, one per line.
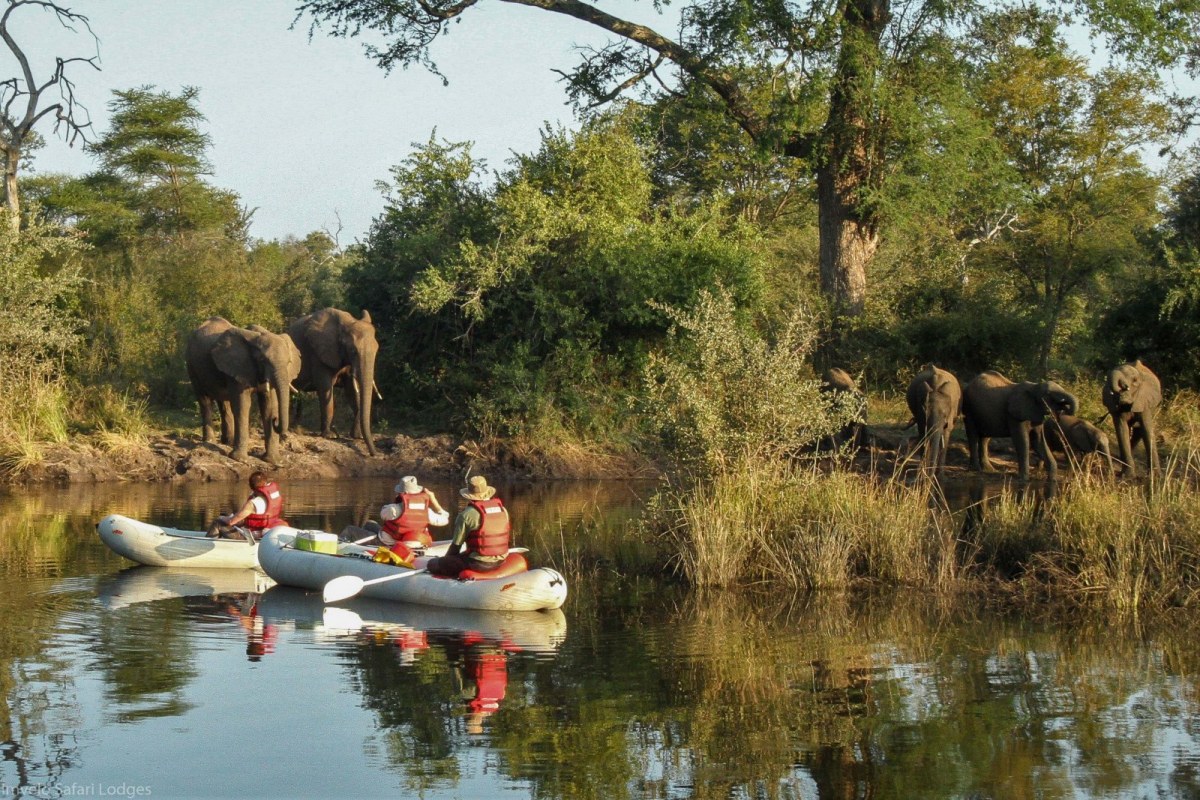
(638,690)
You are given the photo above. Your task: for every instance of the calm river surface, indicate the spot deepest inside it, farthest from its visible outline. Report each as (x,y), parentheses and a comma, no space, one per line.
(143,682)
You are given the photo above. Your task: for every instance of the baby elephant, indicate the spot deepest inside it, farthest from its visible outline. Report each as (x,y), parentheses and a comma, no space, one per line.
(1081,436)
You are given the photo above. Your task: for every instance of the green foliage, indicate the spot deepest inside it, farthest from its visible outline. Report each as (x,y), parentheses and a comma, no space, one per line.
(302,275)
(1156,315)
(38,328)
(721,397)
(528,306)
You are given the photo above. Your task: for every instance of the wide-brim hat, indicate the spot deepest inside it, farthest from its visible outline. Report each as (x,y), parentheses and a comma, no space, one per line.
(477,489)
(408,485)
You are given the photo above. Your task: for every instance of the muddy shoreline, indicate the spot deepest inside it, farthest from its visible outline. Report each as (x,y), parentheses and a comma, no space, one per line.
(181,457)
(177,458)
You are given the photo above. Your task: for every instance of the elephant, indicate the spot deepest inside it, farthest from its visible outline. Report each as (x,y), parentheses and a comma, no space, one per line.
(1132,394)
(995,406)
(227,364)
(935,399)
(1069,434)
(337,349)
(846,397)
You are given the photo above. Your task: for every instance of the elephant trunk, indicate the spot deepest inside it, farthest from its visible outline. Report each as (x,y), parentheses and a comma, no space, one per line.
(933,448)
(364,376)
(281,385)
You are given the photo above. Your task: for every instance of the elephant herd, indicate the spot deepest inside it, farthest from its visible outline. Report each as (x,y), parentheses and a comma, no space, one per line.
(1038,415)
(321,350)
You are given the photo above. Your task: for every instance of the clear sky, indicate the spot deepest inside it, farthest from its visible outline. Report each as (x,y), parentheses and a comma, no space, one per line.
(301,129)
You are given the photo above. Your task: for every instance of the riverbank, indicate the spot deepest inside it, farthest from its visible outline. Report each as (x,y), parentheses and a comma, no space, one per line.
(176,457)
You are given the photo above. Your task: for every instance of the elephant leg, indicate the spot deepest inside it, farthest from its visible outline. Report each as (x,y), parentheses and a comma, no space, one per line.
(1043,450)
(241,426)
(1124,448)
(266,411)
(1151,441)
(1020,435)
(350,389)
(227,423)
(325,402)
(985,460)
(973,441)
(206,420)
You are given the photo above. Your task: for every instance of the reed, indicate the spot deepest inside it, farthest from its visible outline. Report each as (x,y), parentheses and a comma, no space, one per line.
(805,528)
(33,410)
(1128,546)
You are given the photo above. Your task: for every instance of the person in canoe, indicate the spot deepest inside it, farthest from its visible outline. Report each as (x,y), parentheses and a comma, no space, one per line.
(263,509)
(406,521)
(482,528)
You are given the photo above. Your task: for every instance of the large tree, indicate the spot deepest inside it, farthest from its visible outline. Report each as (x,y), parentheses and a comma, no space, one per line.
(808,80)
(25,101)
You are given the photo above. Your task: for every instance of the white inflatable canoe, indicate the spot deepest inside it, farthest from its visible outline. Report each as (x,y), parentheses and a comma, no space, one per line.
(169,547)
(533,590)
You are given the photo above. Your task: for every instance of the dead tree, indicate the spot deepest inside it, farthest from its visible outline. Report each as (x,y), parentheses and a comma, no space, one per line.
(24,101)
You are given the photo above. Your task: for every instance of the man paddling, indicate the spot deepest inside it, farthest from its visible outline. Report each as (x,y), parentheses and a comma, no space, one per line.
(262,510)
(483,528)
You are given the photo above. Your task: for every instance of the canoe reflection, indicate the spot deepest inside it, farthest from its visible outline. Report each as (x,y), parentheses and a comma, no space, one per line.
(528,631)
(143,584)
(475,644)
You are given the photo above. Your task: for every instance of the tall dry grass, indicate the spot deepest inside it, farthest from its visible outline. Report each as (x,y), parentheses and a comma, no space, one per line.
(39,408)
(1120,545)
(33,411)
(804,528)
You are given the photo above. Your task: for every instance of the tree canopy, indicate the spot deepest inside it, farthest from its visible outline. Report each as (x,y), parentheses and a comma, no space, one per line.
(812,81)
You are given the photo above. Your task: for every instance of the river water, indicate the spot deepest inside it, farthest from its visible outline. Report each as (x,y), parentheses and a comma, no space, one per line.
(127,682)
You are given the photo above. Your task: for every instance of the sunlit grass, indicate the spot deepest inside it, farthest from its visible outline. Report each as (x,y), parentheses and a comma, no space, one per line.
(806,529)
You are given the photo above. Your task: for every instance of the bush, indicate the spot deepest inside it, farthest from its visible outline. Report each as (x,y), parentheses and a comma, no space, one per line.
(721,397)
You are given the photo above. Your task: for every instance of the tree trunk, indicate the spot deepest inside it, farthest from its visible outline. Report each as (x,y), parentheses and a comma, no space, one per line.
(846,244)
(12,200)
(849,169)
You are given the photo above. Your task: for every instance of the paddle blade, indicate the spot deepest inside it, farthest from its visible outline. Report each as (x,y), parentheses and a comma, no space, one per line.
(341,588)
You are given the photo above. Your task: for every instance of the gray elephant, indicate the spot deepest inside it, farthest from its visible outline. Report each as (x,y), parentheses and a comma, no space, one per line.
(337,349)
(995,406)
(935,399)
(847,400)
(226,365)
(1132,395)
(1069,434)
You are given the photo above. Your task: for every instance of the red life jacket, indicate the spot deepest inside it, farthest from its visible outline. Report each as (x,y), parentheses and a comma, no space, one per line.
(413,523)
(491,538)
(489,671)
(270,517)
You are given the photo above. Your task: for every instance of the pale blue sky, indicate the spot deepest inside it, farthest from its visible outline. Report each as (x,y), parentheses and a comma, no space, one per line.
(302,130)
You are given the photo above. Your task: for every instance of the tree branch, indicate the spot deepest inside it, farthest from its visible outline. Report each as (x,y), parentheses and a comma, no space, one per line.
(723,84)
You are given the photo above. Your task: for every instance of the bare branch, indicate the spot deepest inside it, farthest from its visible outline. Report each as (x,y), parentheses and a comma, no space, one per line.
(719,81)
(23,99)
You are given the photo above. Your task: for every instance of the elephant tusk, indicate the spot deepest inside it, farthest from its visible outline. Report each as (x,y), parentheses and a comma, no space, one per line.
(378,394)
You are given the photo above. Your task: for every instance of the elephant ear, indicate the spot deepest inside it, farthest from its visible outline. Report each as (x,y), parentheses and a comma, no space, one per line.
(293,357)
(1025,403)
(326,342)
(1149,393)
(231,354)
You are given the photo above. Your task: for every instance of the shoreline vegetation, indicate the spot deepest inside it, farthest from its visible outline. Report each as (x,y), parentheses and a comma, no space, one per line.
(653,294)
(847,520)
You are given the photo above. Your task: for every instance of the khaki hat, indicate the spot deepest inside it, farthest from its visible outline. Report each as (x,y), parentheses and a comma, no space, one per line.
(408,485)
(477,489)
